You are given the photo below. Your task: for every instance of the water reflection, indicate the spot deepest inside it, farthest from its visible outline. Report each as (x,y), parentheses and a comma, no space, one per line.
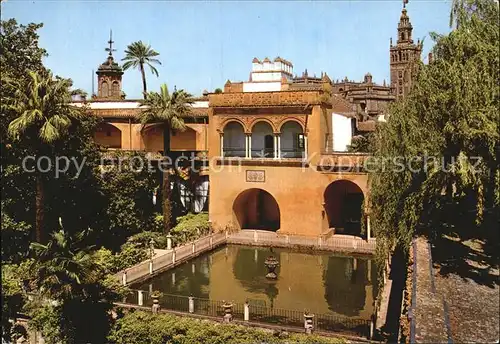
(321,283)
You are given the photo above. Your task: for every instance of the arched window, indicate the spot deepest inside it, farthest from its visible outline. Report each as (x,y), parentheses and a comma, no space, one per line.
(104,89)
(292,140)
(116,89)
(262,140)
(234,140)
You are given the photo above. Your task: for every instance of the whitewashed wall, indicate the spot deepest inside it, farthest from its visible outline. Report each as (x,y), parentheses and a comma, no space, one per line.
(342,132)
(261,86)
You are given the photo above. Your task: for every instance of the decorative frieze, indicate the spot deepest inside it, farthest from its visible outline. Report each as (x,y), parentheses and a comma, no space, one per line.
(256,176)
(263,99)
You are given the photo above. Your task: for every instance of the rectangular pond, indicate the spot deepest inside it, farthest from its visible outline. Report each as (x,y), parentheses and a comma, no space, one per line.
(321,283)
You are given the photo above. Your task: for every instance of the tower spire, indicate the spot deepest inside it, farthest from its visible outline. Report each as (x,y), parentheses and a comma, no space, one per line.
(404,3)
(110,42)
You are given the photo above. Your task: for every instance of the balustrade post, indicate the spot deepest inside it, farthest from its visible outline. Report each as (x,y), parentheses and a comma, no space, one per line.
(193,248)
(320,241)
(368,228)
(173,256)
(372,327)
(140,298)
(169,241)
(191,304)
(124,277)
(246,312)
(211,241)
(151,267)
(255,239)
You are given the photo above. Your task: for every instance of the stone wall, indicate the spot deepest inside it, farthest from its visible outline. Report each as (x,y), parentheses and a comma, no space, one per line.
(428,312)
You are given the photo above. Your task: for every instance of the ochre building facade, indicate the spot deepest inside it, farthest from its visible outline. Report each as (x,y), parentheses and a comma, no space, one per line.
(275,146)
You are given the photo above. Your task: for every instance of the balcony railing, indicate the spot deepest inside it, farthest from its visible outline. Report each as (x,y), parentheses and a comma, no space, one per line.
(268,153)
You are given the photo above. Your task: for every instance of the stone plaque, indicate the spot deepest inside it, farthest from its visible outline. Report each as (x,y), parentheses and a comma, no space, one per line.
(256,176)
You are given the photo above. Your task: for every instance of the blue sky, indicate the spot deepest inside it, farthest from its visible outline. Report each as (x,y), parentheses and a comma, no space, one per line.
(204,43)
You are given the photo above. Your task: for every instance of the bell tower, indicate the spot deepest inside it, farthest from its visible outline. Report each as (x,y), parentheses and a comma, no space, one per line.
(404,56)
(109,76)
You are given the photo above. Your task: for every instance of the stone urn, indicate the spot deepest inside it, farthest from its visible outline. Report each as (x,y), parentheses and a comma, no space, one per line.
(308,322)
(271,264)
(228,311)
(156,302)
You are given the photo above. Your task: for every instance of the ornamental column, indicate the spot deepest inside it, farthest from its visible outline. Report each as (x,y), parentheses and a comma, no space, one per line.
(222,145)
(279,147)
(305,147)
(276,146)
(250,145)
(246,146)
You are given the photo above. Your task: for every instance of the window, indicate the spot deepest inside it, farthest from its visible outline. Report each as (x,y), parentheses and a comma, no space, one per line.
(400,74)
(104,89)
(115,89)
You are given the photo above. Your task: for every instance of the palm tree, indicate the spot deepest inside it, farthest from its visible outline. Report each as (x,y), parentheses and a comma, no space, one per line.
(66,272)
(44,115)
(61,269)
(139,54)
(168,109)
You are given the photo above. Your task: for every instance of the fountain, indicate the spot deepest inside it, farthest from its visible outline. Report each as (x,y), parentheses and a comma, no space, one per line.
(271,264)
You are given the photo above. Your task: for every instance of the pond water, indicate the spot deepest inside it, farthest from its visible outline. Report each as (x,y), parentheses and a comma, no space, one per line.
(318,282)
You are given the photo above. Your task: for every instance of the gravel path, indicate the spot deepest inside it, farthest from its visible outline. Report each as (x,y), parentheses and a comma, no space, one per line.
(469,282)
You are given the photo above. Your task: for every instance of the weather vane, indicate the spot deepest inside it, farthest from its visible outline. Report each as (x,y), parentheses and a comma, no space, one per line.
(110,42)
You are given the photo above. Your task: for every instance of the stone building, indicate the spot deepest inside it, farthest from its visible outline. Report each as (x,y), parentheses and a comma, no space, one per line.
(276,145)
(403,57)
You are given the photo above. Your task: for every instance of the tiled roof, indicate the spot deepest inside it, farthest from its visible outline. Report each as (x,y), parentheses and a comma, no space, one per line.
(340,105)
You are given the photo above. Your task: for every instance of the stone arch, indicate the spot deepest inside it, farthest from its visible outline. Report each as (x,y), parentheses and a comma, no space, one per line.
(292,119)
(256,209)
(343,203)
(230,120)
(108,135)
(261,119)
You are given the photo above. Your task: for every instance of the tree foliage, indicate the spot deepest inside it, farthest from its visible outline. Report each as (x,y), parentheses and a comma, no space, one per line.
(438,154)
(168,109)
(139,327)
(139,55)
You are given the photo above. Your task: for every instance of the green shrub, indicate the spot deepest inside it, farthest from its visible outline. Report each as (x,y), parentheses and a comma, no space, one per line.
(143,239)
(141,328)
(190,227)
(129,255)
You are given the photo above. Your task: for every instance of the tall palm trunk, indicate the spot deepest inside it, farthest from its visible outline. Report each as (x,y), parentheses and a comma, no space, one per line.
(144,89)
(39,206)
(166,191)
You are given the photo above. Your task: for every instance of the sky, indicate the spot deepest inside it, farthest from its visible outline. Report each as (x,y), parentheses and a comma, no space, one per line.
(202,44)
